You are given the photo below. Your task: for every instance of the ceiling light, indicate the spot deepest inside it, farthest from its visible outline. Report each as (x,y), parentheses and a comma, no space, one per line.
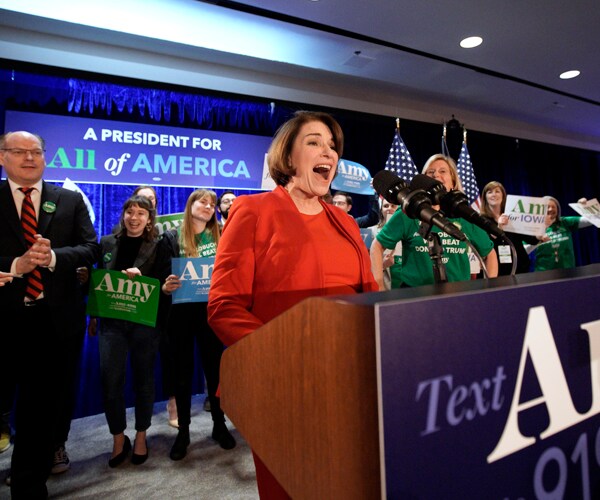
(569,74)
(470,42)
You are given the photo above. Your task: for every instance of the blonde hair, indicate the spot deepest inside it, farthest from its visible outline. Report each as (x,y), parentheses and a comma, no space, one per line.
(187,239)
(457,184)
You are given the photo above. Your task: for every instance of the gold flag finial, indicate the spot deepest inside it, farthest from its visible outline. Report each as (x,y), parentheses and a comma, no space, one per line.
(398,123)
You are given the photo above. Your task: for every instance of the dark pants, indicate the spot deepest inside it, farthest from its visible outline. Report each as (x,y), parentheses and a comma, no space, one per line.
(65,413)
(188,322)
(42,367)
(118,339)
(166,366)
(72,355)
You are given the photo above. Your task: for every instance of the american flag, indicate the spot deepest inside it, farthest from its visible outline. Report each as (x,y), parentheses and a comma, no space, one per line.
(467,177)
(399,160)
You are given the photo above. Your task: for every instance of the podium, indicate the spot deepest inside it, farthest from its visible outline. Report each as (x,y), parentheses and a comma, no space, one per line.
(302,391)
(407,393)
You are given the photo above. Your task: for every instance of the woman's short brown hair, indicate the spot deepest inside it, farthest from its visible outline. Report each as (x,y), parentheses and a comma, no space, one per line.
(150,231)
(278,156)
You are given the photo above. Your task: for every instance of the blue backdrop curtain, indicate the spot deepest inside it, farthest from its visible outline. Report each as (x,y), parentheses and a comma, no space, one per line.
(25,91)
(524,167)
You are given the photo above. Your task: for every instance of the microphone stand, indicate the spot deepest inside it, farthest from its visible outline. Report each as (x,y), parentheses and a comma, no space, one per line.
(435,252)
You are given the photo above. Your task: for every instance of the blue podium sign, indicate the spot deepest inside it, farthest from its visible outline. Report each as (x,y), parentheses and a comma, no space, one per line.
(493,394)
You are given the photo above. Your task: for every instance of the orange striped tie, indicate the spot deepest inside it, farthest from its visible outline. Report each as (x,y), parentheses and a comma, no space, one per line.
(29,222)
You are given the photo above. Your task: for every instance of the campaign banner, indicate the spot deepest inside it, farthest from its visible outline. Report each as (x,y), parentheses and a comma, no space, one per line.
(112,152)
(352,177)
(168,221)
(113,295)
(494,394)
(590,210)
(195,274)
(526,215)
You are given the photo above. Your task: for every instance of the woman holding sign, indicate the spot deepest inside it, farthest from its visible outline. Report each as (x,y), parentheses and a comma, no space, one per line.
(557,251)
(493,205)
(135,250)
(198,237)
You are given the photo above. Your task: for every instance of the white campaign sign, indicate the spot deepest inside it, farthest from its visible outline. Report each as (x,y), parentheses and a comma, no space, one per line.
(590,210)
(526,215)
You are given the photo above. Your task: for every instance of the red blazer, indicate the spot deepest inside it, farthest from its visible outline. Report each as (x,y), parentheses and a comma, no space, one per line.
(266,263)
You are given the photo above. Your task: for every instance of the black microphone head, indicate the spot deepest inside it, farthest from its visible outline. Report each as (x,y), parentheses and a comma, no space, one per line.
(388,185)
(434,188)
(454,204)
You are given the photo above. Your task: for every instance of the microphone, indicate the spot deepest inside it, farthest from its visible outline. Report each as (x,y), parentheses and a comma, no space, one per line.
(393,188)
(434,189)
(454,204)
(414,202)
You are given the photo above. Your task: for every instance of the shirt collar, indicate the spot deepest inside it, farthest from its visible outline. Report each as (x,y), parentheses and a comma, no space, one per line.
(14,186)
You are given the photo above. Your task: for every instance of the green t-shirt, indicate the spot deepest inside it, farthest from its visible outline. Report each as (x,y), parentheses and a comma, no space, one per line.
(204,242)
(395,270)
(417,266)
(557,253)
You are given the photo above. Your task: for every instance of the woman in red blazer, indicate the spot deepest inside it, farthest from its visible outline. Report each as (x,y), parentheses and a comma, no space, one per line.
(281,247)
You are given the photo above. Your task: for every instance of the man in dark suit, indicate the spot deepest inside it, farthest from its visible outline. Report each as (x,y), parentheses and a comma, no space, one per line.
(47,322)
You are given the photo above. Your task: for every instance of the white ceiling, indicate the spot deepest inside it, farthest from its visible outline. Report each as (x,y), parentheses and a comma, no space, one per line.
(409,63)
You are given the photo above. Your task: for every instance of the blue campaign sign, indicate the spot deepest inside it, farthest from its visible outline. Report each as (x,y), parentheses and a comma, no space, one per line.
(352,177)
(367,236)
(494,394)
(195,274)
(111,152)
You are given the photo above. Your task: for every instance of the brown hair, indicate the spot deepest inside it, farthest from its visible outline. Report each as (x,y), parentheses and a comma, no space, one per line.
(150,231)
(187,239)
(485,207)
(278,156)
(139,188)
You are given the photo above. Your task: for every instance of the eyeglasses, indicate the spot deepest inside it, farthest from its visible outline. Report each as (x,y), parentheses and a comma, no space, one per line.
(21,153)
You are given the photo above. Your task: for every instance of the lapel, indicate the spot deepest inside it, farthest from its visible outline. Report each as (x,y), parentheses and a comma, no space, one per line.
(8,210)
(145,253)
(50,194)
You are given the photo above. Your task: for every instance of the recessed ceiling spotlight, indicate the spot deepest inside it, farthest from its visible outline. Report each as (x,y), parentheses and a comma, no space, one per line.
(470,42)
(569,74)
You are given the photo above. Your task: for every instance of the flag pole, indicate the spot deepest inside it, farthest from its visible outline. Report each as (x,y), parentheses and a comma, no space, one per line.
(444,143)
(399,160)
